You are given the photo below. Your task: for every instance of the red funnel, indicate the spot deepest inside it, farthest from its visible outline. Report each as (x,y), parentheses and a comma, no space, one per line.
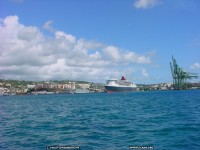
(123,78)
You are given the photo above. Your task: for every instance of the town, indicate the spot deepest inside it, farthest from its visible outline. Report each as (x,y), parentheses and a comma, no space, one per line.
(13,87)
(19,87)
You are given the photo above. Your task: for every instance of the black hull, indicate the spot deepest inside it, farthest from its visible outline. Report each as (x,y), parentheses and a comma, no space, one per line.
(119,89)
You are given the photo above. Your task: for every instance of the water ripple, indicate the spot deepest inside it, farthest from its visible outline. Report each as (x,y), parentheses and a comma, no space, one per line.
(165,120)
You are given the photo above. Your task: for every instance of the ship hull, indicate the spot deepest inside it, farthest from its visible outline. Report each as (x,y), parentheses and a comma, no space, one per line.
(119,89)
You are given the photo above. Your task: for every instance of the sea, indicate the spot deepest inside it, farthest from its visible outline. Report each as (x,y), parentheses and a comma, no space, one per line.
(159,120)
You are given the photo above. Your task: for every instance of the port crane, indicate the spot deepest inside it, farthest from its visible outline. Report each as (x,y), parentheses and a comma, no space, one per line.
(180,76)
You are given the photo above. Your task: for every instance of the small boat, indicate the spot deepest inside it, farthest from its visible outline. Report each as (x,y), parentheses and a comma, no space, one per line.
(122,85)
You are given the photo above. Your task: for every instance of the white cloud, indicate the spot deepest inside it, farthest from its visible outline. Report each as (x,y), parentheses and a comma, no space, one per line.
(143,4)
(66,37)
(195,66)
(26,53)
(135,58)
(47,26)
(115,54)
(112,52)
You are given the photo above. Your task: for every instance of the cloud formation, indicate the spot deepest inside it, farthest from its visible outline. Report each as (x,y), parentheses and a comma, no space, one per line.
(47,26)
(195,66)
(144,4)
(26,53)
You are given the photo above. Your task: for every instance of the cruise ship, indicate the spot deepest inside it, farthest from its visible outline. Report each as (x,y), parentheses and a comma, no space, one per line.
(122,85)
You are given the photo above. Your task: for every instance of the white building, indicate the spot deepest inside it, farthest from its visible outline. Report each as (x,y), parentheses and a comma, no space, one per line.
(30,86)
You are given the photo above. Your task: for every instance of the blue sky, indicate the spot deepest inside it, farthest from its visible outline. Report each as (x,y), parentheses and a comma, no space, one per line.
(95,40)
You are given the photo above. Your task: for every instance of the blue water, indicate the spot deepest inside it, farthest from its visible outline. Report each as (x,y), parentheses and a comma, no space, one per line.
(162,120)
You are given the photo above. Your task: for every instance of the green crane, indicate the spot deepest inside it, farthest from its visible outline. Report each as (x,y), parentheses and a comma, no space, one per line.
(179,76)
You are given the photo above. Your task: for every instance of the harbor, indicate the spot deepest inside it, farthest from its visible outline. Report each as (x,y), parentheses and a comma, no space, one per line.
(179,77)
(100,75)
(9,89)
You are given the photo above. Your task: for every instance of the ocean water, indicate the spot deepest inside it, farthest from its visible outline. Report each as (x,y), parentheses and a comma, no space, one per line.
(160,120)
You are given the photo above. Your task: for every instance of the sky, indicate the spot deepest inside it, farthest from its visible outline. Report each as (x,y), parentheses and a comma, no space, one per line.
(96,40)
